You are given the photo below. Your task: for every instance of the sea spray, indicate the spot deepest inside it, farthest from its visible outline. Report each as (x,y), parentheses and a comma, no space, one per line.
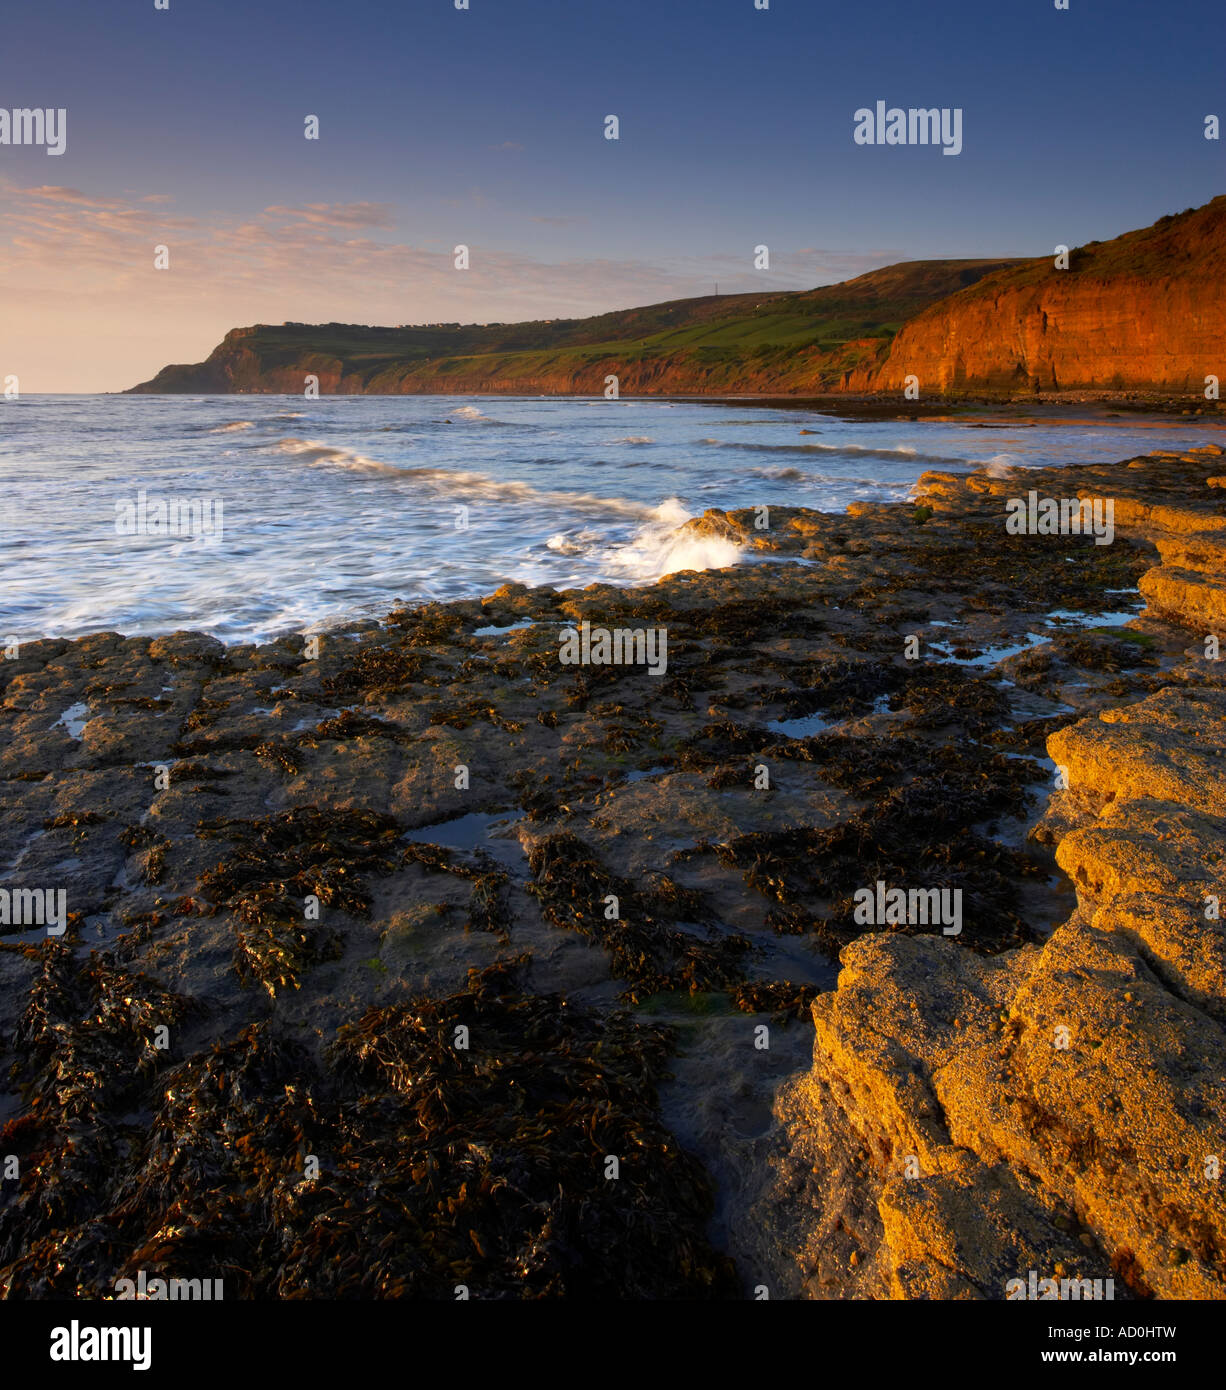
(346,520)
(665,545)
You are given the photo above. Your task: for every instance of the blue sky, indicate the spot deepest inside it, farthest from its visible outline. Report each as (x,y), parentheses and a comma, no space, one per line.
(485,127)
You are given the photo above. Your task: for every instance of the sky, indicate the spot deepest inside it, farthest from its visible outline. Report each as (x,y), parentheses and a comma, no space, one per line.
(486,127)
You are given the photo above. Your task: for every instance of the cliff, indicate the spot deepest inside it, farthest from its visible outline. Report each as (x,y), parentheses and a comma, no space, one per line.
(1142,312)
(788,343)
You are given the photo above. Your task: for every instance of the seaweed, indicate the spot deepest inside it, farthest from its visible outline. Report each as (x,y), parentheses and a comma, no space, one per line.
(526,1162)
(279,862)
(919,830)
(575,891)
(375,669)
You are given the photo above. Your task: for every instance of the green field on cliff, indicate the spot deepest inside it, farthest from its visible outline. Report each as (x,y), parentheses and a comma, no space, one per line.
(841,337)
(706,336)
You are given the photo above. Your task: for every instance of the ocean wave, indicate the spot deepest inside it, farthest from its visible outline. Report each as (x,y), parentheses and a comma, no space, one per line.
(578,544)
(797,475)
(634,439)
(661,546)
(232,426)
(904,453)
(469,414)
(461,483)
(316,451)
(1001,465)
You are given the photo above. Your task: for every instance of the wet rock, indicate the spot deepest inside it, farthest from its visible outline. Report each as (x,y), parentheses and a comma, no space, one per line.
(690,848)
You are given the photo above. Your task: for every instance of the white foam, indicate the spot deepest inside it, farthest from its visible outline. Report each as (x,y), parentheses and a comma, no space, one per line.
(661,547)
(232,426)
(1000,465)
(576,543)
(454,482)
(316,451)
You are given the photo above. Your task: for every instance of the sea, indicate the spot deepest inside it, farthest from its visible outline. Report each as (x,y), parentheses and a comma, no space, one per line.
(249,517)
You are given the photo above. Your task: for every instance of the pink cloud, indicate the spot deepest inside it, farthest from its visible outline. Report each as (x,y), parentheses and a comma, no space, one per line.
(54,193)
(338,214)
(85,309)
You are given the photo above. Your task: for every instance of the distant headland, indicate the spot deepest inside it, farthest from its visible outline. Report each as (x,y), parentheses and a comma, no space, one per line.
(1143,313)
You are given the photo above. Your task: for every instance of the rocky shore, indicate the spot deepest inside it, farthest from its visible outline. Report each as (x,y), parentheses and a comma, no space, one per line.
(410,959)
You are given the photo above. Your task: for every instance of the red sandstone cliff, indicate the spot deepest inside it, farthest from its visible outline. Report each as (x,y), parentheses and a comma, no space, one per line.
(1145,311)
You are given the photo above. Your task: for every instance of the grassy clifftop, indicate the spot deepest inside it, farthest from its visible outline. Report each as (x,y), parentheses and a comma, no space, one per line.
(749,341)
(1142,312)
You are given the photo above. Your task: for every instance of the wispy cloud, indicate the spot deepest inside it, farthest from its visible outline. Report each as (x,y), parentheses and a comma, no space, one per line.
(338,214)
(85,308)
(56,193)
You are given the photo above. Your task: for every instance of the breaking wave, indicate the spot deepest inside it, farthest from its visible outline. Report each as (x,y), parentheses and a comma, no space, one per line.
(460,483)
(1000,465)
(662,546)
(471,415)
(904,453)
(315,451)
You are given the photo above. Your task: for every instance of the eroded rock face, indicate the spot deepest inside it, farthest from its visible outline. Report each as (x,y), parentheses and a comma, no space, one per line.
(1187,595)
(1060,1107)
(1143,310)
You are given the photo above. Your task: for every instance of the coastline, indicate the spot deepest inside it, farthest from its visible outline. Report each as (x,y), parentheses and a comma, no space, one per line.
(335,776)
(1056,407)
(849,404)
(1135,317)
